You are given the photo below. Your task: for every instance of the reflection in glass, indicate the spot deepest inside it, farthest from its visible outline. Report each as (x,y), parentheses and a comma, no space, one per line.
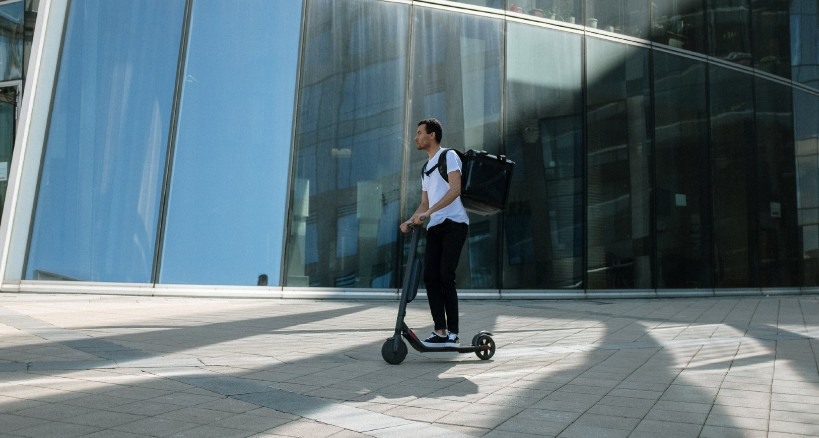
(626,17)
(729,30)
(804,42)
(619,146)
(495,4)
(543,224)
(679,23)
(682,200)
(233,137)
(457,78)
(343,223)
(732,161)
(11,40)
(806,127)
(8,118)
(567,11)
(771,36)
(776,218)
(99,190)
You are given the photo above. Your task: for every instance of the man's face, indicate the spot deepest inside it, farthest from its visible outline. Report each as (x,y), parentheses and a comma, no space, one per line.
(423,139)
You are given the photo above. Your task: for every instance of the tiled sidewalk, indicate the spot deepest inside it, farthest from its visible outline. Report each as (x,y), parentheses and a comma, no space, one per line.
(110,366)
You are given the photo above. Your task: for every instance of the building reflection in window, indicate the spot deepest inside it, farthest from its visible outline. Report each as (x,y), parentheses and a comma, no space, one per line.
(729,30)
(618,198)
(804,42)
(12,21)
(679,23)
(806,127)
(682,195)
(567,11)
(543,229)
(771,36)
(343,217)
(626,17)
(457,77)
(777,262)
(732,161)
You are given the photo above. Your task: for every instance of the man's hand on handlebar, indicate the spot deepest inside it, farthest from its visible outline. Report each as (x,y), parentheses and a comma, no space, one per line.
(415,220)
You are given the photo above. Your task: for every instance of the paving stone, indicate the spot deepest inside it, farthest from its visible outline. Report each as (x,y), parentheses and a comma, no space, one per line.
(710,431)
(737,422)
(56,429)
(667,429)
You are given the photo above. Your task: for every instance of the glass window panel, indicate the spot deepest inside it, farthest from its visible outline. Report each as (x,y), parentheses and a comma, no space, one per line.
(679,23)
(771,36)
(343,226)
(8,120)
(233,136)
(12,22)
(495,4)
(732,152)
(99,191)
(619,145)
(804,41)
(562,10)
(806,127)
(729,30)
(456,78)
(776,211)
(682,195)
(543,223)
(627,17)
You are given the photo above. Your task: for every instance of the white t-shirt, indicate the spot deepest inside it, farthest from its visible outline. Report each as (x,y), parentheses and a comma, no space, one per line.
(436,188)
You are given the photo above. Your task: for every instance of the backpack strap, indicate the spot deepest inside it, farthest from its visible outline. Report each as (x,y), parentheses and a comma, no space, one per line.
(441,166)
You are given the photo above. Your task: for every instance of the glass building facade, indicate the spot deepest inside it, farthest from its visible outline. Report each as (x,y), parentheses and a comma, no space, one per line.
(252,147)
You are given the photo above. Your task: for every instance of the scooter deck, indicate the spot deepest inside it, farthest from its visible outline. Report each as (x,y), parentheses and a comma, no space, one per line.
(418,345)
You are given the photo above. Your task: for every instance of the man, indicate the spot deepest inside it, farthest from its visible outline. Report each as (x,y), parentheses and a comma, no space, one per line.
(446,233)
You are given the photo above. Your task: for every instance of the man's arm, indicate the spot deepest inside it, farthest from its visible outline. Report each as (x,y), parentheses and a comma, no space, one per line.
(420,212)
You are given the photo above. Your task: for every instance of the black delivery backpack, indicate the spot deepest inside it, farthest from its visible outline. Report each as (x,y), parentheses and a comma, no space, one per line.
(485,179)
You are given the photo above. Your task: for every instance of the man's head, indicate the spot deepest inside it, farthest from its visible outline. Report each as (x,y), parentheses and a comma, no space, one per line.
(429,131)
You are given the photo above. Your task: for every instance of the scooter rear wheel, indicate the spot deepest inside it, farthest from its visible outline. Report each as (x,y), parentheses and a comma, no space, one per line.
(394,357)
(487,344)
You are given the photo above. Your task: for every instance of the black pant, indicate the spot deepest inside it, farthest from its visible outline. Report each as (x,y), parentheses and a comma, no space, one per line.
(444,244)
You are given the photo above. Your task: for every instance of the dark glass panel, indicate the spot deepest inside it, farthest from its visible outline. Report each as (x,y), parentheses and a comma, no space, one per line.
(733,168)
(729,30)
(682,197)
(627,17)
(804,44)
(776,208)
(679,23)
(233,137)
(619,144)
(100,186)
(806,127)
(343,223)
(457,78)
(771,36)
(544,220)
(12,21)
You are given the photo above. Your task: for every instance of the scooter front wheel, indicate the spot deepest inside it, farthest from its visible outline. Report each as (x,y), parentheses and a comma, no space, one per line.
(394,357)
(486,346)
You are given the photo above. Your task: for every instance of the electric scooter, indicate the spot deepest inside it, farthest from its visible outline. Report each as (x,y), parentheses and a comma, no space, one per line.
(394,349)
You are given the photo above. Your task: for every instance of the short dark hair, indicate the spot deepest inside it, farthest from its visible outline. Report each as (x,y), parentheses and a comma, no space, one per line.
(433,125)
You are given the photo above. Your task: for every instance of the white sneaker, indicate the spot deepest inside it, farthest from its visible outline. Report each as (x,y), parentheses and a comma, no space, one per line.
(454,340)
